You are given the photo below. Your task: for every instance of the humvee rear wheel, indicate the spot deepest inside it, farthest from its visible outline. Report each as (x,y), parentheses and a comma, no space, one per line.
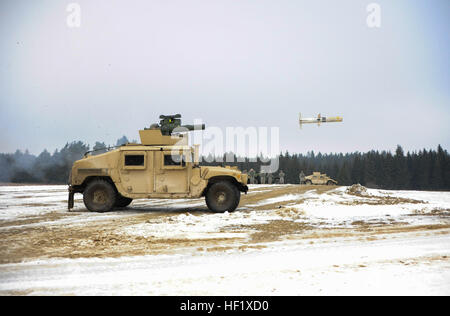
(222,196)
(99,196)
(122,201)
(308,182)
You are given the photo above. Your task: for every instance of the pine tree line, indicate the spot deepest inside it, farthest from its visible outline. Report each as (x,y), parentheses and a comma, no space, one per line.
(422,170)
(46,168)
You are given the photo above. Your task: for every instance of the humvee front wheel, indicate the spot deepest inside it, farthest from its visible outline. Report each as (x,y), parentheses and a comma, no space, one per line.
(99,196)
(308,182)
(222,196)
(330,183)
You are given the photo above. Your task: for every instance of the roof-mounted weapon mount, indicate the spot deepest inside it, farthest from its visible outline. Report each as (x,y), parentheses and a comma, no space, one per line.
(168,131)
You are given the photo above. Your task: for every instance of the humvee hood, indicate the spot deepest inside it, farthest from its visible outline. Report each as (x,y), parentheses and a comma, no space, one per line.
(208,172)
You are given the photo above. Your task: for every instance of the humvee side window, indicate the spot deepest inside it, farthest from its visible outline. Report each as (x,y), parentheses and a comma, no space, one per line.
(134,160)
(174,160)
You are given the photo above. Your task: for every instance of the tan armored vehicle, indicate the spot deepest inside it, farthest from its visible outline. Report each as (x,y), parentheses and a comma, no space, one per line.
(318,178)
(162,166)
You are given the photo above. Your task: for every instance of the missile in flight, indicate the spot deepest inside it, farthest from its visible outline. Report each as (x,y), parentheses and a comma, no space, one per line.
(319,119)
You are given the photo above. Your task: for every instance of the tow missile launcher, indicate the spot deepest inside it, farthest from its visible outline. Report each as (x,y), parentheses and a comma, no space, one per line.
(161,166)
(169,131)
(169,124)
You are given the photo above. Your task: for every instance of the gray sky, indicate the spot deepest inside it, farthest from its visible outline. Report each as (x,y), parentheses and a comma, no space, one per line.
(230,63)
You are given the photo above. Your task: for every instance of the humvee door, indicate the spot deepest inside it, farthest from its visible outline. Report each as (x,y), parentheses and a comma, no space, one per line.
(173,173)
(136,171)
(322,180)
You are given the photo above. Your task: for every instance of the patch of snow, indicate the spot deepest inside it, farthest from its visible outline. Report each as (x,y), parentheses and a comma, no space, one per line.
(342,268)
(204,226)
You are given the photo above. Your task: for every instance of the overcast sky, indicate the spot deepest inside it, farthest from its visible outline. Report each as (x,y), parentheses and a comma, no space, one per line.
(230,63)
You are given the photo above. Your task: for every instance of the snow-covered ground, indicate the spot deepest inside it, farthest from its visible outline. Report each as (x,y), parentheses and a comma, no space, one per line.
(389,267)
(282,240)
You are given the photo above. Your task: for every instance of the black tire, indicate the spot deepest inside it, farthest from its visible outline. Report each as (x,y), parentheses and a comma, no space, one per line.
(122,201)
(222,196)
(99,196)
(330,183)
(308,182)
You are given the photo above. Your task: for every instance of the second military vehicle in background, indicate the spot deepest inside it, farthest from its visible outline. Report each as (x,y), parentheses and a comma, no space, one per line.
(318,178)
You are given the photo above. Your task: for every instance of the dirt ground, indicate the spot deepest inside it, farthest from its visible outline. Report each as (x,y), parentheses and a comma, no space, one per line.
(267,215)
(50,237)
(21,241)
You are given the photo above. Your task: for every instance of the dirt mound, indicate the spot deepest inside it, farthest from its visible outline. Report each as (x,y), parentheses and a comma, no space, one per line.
(357,189)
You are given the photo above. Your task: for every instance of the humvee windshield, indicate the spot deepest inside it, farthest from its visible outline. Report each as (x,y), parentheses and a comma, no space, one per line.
(174,160)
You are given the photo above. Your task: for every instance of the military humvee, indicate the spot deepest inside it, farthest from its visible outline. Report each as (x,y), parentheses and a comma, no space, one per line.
(162,166)
(318,178)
